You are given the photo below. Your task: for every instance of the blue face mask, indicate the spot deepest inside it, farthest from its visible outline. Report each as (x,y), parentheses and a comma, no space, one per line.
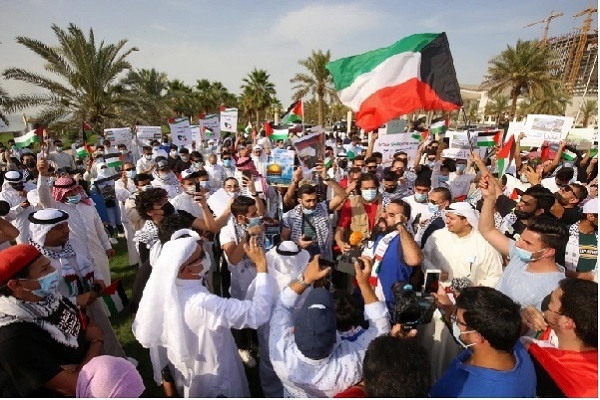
(443,178)
(430,164)
(433,208)
(253,221)
(420,197)
(205,184)
(227,163)
(523,178)
(456,333)
(369,194)
(48,285)
(526,256)
(130,174)
(74,199)
(461,167)
(306,211)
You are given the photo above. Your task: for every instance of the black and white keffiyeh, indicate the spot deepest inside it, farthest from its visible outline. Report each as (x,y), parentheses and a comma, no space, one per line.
(148,234)
(321,223)
(55,314)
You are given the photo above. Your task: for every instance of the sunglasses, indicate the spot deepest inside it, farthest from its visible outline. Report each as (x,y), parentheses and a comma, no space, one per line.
(130,169)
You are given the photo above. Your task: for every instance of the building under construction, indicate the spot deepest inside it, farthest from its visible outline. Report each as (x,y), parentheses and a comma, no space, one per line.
(566,47)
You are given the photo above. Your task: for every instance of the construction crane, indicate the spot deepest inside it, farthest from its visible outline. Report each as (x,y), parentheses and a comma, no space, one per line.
(587,23)
(547,21)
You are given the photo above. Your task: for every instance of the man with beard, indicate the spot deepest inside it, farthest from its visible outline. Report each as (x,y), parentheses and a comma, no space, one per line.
(395,252)
(30,172)
(308,223)
(535,201)
(568,198)
(166,179)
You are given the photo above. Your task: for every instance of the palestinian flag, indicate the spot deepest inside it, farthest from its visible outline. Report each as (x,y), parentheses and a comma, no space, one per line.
(248,128)
(82,152)
(328,162)
(574,372)
(276,132)
(415,72)
(568,155)
(85,130)
(439,126)
(114,298)
(24,139)
(294,113)
(114,159)
(489,138)
(505,156)
(420,136)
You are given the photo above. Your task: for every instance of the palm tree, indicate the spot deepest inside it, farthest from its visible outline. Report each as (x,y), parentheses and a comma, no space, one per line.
(4,105)
(552,100)
(497,106)
(85,79)
(523,69)
(590,107)
(473,111)
(183,100)
(148,88)
(258,92)
(318,81)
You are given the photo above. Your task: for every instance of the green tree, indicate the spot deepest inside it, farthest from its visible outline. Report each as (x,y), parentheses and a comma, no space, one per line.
(317,81)
(84,83)
(497,106)
(148,90)
(473,111)
(4,105)
(258,93)
(182,99)
(552,99)
(523,69)
(590,107)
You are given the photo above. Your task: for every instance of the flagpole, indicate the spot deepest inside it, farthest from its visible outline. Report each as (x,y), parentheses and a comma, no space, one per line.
(302,105)
(585,92)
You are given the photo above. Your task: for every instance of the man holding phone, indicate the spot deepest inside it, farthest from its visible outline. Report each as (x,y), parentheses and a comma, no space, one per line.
(308,224)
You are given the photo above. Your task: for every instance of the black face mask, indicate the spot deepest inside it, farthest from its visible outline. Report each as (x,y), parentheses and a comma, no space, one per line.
(522,215)
(17,186)
(390,190)
(30,164)
(168,209)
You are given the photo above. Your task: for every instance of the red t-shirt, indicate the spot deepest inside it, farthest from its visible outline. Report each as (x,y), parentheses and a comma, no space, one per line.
(346,214)
(355,392)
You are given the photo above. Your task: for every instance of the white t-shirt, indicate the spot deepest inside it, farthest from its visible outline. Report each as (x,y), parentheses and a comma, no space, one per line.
(242,273)
(459,184)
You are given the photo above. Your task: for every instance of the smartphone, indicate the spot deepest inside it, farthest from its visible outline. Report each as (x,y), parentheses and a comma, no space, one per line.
(308,238)
(432,278)
(198,187)
(324,263)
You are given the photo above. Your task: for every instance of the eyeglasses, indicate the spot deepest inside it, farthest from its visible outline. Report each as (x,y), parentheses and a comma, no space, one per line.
(454,319)
(130,169)
(434,203)
(372,167)
(232,187)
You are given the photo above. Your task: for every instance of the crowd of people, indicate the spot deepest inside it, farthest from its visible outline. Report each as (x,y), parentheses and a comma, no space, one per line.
(418,276)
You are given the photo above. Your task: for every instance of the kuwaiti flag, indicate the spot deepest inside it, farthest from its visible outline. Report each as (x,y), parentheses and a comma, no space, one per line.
(24,139)
(489,138)
(294,113)
(415,72)
(114,159)
(276,132)
(439,126)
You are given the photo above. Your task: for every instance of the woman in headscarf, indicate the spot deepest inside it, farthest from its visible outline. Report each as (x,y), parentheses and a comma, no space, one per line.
(109,377)
(185,325)
(84,221)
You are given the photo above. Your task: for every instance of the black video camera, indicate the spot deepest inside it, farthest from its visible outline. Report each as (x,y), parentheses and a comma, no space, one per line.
(411,308)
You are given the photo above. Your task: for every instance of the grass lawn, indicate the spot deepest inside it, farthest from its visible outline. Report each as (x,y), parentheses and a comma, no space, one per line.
(122,325)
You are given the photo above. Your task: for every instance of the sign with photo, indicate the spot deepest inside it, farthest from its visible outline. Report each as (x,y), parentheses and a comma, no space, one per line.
(389,144)
(148,132)
(310,149)
(181,132)
(280,167)
(539,128)
(210,127)
(461,143)
(118,136)
(229,118)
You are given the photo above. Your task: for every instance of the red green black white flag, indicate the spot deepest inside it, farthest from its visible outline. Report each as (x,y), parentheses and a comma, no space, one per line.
(415,72)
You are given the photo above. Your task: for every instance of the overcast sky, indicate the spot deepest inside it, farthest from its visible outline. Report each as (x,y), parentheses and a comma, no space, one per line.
(224,40)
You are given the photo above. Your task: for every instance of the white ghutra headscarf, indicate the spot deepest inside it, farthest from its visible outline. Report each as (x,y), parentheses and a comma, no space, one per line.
(159,324)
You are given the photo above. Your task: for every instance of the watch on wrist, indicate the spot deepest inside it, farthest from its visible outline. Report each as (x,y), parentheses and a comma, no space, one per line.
(301,281)
(398,224)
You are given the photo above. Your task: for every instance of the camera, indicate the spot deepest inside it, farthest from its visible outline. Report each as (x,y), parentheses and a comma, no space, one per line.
(411,308)
(346,261)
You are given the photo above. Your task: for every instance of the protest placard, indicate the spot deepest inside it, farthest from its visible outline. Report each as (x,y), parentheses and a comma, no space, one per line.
(181,132)
(539,128)
(229,119)
(280,167)
(196,136)
(581,138)
(461,143)
(209,126)
(389,144)
(118,136)
(310,149)
(148,132)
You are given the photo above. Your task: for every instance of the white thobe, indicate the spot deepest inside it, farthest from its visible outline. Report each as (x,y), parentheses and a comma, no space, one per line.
(470,256)
(186,202)
(18,216)
(122,193)
(217,367)
(85,224)
(216,175)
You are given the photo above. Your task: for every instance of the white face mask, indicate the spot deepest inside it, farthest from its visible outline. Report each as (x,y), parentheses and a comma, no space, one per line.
(456,332)
(190,189)
(205,267)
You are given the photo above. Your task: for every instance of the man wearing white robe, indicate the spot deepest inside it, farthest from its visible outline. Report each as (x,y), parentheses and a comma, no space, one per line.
(124,188)
(84,221)
(459,251)
(185,325)
(14,192)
